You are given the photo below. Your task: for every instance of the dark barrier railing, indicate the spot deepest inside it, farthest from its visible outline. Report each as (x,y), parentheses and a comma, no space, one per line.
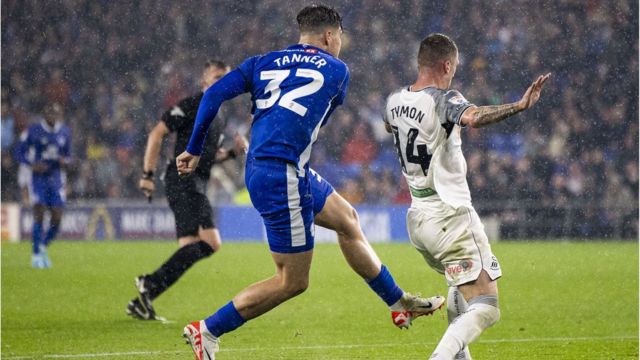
(573,220)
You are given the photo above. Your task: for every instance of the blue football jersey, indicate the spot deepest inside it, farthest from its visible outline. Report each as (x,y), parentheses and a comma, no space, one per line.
(293,91)
(50,145)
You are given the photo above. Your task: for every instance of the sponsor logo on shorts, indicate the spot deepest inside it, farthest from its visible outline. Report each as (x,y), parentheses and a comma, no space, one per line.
(495,265)
(459,267)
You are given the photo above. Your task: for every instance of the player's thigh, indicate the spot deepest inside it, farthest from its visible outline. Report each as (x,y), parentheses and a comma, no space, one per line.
(490,263)
(457,241)
(483,285)
(424,235)
(38,212)
(294,267)
(338,215)
(56,214)
(283,199)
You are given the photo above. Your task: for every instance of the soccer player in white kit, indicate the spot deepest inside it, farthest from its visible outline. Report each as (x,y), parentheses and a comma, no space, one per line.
(425,119)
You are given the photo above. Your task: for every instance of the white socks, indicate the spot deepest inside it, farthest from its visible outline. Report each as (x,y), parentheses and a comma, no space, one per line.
(482,313)
(456,306)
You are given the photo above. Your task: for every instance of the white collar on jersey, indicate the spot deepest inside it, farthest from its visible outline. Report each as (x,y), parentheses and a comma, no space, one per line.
(426,87)
(56,127)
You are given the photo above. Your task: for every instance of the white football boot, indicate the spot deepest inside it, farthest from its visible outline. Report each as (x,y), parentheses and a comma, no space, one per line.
(415,306)
(45,257)
(37,262)
(203,343)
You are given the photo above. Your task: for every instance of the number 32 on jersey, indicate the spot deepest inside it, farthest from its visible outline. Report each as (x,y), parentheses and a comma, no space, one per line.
(287,100)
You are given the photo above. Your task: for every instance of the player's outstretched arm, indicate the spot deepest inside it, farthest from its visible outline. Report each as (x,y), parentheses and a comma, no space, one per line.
(486,115)
(230,86)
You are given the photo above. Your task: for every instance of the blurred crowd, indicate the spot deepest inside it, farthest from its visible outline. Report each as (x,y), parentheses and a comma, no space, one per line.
(567,168)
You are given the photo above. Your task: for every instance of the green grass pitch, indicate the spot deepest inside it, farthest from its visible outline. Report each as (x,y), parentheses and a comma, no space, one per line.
(559,300)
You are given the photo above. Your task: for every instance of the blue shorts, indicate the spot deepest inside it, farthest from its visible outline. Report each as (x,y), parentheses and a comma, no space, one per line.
(286,201)
(46,192)
(320,190)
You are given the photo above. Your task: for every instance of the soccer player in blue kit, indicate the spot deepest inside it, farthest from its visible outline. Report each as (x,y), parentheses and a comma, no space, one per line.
(46,148)
(294,91)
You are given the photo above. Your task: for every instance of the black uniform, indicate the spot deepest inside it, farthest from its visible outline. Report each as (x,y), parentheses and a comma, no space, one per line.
(187,195)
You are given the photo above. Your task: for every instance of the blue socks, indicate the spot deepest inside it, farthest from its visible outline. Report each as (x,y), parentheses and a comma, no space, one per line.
(225,320)
(36,235)
(386,287)
(51,234)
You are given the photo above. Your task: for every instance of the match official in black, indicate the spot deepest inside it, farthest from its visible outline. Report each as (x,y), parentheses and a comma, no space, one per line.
(197,235)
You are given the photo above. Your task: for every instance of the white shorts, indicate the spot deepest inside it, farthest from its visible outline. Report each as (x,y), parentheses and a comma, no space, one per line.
(454,244)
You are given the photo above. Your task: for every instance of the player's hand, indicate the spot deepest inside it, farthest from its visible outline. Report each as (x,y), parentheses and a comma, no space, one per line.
(532,94)
(39,167)
(147,186)
(186,163)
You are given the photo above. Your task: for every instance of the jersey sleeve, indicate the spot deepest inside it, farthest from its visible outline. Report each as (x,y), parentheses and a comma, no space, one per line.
(175,117)
(454,105)
(22,150)
(230,86)
(339,100)
(246,69)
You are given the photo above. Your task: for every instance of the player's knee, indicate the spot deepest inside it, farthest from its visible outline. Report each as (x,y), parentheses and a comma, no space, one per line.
(38,213)
(212,238)
(496,318)
(350,223)
(295,287)
(214,243)
(487,308)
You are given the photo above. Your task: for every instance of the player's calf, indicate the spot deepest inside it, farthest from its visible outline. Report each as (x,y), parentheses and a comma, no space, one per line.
(482,313)
(456,306)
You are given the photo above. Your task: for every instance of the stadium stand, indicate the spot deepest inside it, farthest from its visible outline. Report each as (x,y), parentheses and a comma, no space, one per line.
(571,164)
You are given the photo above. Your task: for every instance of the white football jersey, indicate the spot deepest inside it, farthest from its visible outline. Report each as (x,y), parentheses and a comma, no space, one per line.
(426,131)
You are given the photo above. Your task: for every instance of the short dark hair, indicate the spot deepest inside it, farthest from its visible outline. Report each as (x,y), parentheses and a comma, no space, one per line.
(434,48)
(215,63)
(315,18)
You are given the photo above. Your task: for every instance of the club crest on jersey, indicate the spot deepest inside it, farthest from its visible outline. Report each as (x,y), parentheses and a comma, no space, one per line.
(458,100)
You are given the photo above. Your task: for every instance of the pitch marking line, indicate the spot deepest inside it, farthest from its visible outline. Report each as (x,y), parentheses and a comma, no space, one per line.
(316,347)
